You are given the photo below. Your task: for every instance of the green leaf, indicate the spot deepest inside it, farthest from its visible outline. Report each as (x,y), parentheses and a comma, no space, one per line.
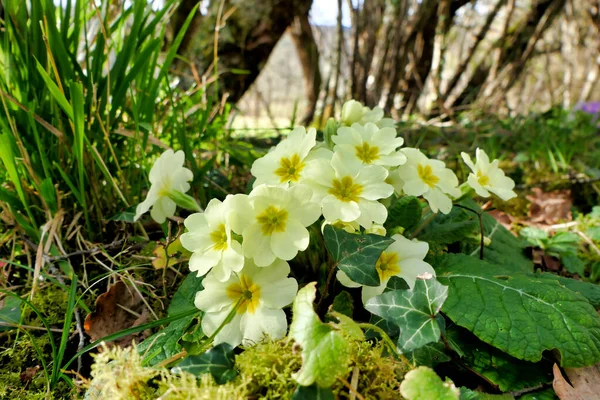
(348,326)
(184,201)
(312,392)
(325,351)
(454,227)
(10,312)
(591,291)
(355,254)
(405,212)
(429,355)
(183,299)
(165,343)
(126,215)
(547,394)
(218,361)
(343,304)
(520,314)
(508,373)
(504,247)
(423,383)
(573,264)
(468,394)
(414,311)
(330,130)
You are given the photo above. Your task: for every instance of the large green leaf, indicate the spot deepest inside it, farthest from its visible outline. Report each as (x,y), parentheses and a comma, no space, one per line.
(325,351)
(429,355)
(504,371)
(218,361)
(589,290)
(405,212)
(414,311)
(423,383)
(356,254)
(520,314)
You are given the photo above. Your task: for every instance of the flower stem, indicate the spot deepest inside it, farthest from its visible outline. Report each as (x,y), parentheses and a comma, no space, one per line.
(388,342)
(227,320)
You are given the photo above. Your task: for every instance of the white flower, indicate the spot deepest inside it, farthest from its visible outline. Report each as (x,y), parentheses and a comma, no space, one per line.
(167,175)
(209,240)
(347,190)
(354,112)
(488,177)
(261,293)
(273,220)
(284,163)
(431,179)
(369,144)
(403,258)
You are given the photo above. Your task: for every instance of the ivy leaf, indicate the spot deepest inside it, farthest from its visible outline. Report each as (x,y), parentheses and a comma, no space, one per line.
(183,299)
(414,311)
(343,304)
(424,383)
(325,351)
(405,212)
(355,254)
(518,313)
(218,361)
(312,392)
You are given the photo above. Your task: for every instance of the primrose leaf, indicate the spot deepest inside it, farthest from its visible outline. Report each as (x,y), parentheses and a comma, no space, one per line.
(424,383)
(183,299)
(355,254)
(589,290)
(165,343)
(218,361)
(520,314)
(405,212)
(325,351)
(429,355)
(414,311)
(312,392)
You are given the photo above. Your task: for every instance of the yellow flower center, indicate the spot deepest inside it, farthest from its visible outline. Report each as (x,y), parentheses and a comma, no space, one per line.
(387,266)
(272,219)
(289,169)
(427,176)
(367,153)
(483,180)
(219,238)
(247,292)
(345,189)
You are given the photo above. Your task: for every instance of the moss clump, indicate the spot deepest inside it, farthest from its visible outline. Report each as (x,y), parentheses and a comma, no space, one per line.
(269,368)
(118,374)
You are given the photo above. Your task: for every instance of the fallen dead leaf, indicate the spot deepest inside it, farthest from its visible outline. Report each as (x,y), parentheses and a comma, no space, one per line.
(585,381)
(504,219)
(27,375)
(120,308)
(550,207)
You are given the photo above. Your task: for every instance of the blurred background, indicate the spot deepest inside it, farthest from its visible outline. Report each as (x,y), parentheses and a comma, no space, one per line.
(299,59)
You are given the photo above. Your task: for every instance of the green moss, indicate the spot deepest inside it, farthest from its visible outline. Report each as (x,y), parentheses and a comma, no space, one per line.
(51,301)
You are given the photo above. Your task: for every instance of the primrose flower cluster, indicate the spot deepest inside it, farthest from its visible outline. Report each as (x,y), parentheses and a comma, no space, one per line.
(243,244)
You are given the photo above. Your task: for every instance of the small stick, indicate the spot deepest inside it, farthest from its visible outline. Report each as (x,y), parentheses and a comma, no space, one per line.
(350,388)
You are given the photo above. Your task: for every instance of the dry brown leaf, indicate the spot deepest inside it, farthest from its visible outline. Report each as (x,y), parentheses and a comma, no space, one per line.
(503,219)
(27,375)
(550,207)
(585,381)
(121,307)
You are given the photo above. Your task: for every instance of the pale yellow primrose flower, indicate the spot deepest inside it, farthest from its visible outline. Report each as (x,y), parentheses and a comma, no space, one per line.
(370,144)
(488,177)
(354,112)
(285,163)
(272,221)
(347,190)
(209,239)
(421,176)
(403,258)
(262,293)
(167,175)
